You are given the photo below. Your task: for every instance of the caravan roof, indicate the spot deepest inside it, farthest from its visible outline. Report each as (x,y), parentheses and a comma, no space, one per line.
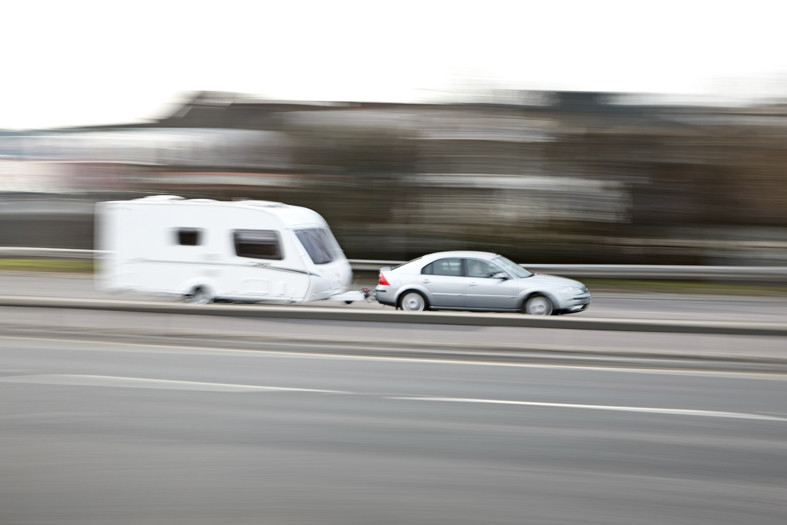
(291,216)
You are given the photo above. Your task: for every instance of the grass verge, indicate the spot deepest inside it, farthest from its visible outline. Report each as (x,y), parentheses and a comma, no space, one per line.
(696,287)
(47,265)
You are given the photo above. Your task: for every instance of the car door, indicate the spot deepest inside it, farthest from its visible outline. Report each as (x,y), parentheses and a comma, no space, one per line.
(487,292)
(444,280)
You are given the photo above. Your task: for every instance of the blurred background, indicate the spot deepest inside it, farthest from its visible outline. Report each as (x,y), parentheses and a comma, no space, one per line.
(574,177)
(591,140)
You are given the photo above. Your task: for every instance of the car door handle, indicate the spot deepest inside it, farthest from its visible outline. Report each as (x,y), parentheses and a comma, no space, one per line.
(425,281)
(473,283)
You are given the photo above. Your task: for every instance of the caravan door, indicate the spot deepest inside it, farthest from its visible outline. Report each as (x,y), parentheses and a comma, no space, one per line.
(264,271)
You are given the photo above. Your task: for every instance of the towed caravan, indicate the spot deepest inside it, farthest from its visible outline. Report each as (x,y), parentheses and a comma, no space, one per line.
(204,250)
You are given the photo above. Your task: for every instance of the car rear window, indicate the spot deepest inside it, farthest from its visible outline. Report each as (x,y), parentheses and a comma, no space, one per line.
(450,266)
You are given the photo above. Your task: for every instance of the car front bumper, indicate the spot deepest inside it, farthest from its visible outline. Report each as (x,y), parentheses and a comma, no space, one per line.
(576,303)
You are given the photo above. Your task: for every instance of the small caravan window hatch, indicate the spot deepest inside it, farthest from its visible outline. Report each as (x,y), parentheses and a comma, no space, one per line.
(189,236)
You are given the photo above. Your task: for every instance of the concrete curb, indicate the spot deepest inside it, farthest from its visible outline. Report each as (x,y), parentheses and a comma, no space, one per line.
(390,316)
(422,350)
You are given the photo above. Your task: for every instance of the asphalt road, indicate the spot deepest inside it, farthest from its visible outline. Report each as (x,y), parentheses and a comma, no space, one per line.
(108,433)
(606,347)
(604,305)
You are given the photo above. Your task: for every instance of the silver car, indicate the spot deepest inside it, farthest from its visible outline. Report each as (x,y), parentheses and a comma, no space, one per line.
(482,281)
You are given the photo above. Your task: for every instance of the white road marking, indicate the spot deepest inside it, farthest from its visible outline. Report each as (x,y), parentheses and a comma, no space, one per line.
(139,382)
(169,384)
(650,410)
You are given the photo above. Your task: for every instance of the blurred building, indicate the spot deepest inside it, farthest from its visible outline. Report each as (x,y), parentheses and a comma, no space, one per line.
(557,177)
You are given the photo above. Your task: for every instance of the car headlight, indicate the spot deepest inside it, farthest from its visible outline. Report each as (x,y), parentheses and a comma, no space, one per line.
(573,290)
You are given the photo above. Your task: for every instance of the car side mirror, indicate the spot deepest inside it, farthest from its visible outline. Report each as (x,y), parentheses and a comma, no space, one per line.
(500,275)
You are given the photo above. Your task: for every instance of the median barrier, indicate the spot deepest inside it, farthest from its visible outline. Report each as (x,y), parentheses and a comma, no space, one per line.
(265,311)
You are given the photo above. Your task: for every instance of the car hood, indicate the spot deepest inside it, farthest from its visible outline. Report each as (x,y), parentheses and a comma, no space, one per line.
(543,279)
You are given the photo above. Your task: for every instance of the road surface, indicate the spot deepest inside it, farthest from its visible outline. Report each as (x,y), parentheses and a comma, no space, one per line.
(109,433)
(604,305)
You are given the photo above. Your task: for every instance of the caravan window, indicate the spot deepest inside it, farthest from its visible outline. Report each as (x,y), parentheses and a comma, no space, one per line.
(189,236)
(257,244)
(319,244)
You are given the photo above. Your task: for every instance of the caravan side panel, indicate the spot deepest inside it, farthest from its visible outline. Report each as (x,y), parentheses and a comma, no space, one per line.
(247,250)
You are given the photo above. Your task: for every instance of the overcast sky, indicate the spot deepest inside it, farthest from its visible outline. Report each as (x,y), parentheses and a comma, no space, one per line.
(81,62)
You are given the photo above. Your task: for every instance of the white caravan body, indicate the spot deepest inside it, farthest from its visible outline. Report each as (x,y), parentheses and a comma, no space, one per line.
(239,250)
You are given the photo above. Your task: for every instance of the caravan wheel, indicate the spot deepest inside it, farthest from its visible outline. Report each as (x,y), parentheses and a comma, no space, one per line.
(200,295)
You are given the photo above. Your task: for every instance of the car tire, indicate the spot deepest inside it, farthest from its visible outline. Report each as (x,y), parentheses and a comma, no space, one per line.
(538,305)
(413,302)
(200,295)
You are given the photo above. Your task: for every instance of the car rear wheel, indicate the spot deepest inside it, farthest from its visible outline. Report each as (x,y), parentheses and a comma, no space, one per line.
(412,301)
(538,305)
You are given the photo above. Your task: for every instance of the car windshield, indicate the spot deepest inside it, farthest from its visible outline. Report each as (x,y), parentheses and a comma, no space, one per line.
(511,267)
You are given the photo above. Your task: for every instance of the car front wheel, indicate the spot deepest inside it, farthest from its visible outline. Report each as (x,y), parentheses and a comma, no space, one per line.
(538,305)
(412,301)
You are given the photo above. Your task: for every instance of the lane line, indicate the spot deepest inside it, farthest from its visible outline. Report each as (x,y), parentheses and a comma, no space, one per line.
(649,410)
(161,384)
(170,384)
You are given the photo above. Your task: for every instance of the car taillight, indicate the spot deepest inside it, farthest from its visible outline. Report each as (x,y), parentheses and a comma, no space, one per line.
(383,281)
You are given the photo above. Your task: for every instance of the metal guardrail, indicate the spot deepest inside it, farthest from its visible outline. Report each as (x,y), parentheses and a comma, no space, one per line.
(7,252)
(773,274)
(633,271)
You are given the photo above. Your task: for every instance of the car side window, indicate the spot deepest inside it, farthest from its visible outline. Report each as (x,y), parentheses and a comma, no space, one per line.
(479,268)
(451,266)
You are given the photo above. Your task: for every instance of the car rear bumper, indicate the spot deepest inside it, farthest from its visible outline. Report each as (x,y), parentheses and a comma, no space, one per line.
(384,296)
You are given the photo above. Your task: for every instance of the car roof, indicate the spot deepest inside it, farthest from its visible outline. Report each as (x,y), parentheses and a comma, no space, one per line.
(461,253)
